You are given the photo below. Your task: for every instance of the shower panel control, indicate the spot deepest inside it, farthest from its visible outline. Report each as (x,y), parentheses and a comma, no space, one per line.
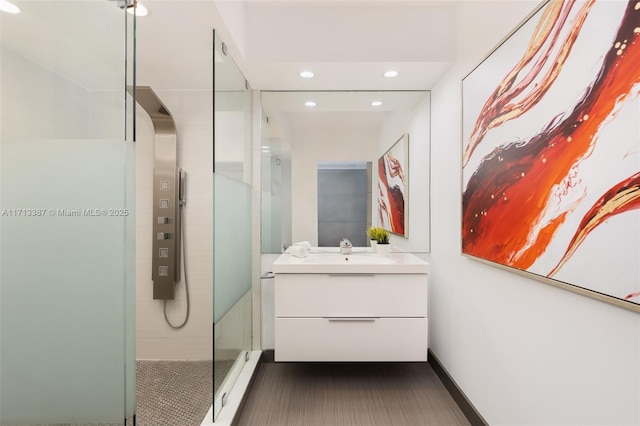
(166,245)
(165,270)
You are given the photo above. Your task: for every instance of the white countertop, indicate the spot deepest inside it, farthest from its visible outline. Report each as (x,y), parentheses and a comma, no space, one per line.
(328,260)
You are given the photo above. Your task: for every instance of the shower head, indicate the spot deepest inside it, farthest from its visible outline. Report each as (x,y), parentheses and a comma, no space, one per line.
(160,115)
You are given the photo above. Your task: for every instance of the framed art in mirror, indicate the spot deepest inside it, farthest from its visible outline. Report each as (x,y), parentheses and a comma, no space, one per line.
(392,188)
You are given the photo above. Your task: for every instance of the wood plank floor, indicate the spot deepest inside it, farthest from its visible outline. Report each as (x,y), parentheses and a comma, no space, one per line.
(348,394)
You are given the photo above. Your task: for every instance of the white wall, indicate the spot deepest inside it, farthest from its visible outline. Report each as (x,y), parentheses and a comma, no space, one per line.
(29,94)
(417,123)
(308,146)
(524,352)
(193,113)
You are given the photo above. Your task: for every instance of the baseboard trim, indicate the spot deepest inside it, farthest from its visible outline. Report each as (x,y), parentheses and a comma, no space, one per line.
(467,408)
(268,355)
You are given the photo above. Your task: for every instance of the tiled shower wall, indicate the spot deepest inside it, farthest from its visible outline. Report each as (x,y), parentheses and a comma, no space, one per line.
(192,112)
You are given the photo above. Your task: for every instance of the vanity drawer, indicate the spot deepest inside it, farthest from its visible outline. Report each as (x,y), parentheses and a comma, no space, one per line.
(323,295)
(351,339)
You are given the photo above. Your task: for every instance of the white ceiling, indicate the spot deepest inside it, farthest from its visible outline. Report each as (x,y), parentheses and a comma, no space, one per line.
(357,101)
(337,109)
(348,44)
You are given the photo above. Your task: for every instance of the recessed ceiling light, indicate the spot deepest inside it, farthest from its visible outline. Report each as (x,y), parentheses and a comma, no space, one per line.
(265,146)
(391,74)
(376,103)
(138,10)
(310,104)
(306,74)
(7,6)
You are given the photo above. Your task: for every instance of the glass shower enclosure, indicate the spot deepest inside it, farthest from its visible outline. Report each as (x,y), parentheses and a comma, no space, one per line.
(232,223)
(66,210)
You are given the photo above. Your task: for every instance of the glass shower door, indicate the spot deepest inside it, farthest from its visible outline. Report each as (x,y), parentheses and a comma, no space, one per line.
(66,288)
(232,224)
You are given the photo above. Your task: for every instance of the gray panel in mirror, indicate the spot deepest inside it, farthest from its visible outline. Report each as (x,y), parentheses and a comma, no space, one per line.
(343,211)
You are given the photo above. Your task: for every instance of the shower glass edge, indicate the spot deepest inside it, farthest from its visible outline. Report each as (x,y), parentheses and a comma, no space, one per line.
(232,210)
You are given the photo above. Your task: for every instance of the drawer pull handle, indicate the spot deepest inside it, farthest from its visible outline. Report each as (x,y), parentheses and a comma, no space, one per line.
(346,274)
(352,319)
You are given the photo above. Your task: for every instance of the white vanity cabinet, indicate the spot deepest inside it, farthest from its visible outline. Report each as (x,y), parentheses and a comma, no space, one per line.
(356,316)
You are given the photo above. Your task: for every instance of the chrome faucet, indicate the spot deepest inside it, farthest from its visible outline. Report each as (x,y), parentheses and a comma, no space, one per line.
(345,246)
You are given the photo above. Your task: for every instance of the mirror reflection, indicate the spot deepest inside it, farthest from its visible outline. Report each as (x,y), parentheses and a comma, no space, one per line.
(309,128)
(276,190)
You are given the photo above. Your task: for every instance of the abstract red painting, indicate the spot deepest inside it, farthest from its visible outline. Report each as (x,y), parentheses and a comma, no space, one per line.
(392,191)
(551,150)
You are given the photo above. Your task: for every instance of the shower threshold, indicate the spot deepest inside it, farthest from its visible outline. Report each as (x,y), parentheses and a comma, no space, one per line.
(235,393)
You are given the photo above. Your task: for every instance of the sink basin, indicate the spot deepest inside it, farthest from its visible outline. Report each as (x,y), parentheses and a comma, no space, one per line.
(361,261)
(341,259)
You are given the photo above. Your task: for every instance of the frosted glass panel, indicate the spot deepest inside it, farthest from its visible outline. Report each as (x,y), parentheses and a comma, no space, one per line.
(232,243)
(62,308)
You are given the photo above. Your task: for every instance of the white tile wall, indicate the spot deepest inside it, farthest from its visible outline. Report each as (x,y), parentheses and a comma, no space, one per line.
(193,112)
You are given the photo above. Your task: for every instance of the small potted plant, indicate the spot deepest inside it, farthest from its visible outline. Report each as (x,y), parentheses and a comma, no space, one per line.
(381,238)
(371,233)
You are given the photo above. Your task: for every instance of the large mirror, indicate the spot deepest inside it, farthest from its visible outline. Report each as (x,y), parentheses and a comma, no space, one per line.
(305,129)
